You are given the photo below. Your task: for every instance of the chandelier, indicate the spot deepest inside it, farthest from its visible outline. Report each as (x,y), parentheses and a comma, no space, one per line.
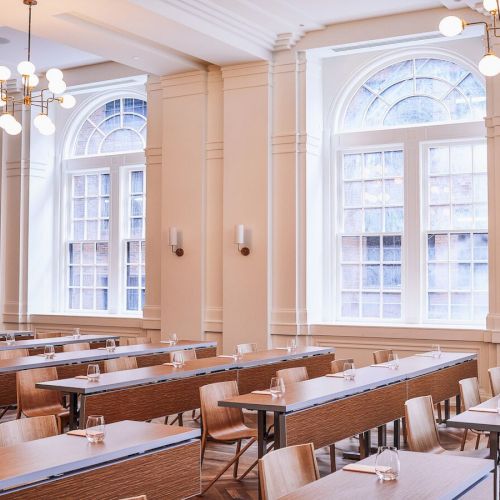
(449,26)
(30,96)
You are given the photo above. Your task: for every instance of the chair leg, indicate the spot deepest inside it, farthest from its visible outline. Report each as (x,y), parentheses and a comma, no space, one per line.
(440,417)
(333,463)
(464,437)
(237,461)
(166,420)
(18,412)
(231,462)
(477,440)
(203,446)
(405,433)
(269,448)
(179,417)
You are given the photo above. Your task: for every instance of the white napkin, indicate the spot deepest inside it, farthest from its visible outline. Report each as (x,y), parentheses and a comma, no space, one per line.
(168,364)
(281,348)
(381,365)
(369,469)
(483,409)
(336,375)
(225,356)
(83,377)
(77,432)
(265,393)
(425,356)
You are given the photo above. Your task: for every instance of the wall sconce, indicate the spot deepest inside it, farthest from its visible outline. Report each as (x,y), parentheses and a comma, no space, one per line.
(239,239)
(173,241)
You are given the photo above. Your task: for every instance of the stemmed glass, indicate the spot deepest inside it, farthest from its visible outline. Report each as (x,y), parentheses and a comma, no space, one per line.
(49,351)
(291,345)
(436,351)
(277,387)
(349,371)
(387,465)
(93,372)
(393,361)
(110,345)
(237,353)
(10,338)
(174,339)
(95,429)
(76,333)
(177,359)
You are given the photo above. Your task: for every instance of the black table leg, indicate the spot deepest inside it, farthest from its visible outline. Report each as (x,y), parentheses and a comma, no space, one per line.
(396,434)
(261,433)
(73,411)
(446,409)
(494,456)
(367,436)
(458,404)
(382,435)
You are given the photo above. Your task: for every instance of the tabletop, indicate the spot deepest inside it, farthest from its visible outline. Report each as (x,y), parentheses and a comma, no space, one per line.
(37,460)
(89,355)
(478,420)
(422,475)
(162,373)
(320,390)
(56,341)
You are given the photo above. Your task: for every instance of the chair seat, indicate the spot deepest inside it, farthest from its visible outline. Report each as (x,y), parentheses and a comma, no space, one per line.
(57,410)
(234,433)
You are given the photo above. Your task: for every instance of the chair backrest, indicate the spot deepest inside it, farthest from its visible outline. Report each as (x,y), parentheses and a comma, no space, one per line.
(337,366)
(215,417)
(138,340)
(469,392)
(27,429)
(48,335)
(246,348)
(31,398)
(119,364)
(14,353)
(77,346)
(382,356)
(287,469)
(494,374)
(421,425)
(292,375)
(189,354)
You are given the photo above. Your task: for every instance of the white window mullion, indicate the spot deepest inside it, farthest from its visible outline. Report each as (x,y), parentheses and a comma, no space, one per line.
(114,243)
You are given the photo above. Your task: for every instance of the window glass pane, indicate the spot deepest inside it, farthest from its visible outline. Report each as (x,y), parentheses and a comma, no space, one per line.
(418,109)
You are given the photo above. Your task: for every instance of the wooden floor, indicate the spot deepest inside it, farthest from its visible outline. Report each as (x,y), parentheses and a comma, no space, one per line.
(228,488)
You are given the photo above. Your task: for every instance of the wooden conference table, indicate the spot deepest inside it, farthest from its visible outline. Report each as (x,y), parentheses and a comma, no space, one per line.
(136,458)
(156,391)
(73,363)
(422,475)
(38,344)
(326,410)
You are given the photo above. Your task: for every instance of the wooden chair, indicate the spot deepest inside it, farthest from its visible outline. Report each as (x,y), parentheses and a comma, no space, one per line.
(292,375)
(423,433)
(27,429)
(14,353)
(337,366)
(120,364)
(494,374)
(223,424)
(77,346)
(34,402)
(382,356)
(138,340)
(469,394)
(287,469)
(246,348)
(49,335)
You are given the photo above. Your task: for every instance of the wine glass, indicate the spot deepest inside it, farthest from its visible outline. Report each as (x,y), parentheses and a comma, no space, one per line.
(387,465)
(10,338)
(436,351)
(393,361)
(95,429)
(177,359)
(76,333)
(49,351)
(174,339)
(291,345)
(237,353)
(110,345)
(277,387)
(93,372)
(349,371)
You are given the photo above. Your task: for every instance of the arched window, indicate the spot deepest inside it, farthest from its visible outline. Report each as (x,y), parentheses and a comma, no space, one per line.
(105,217)
(411,208)
(119,126)
(416,91)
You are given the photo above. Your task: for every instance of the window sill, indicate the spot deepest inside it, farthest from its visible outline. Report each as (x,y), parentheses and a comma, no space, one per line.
(90,320)
(411,326)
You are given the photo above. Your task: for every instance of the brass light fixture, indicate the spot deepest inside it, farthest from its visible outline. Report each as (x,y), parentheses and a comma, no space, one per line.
(450,26)
(30,96)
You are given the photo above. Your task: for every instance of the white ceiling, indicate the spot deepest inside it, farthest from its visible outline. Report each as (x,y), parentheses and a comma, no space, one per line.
(169,36)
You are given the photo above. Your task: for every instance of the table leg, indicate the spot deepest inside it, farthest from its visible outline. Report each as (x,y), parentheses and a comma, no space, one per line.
(73,411)
(382,435)
(494,456)
(261,433)
(446,409)
(396,434)
(368,442)
(458,404)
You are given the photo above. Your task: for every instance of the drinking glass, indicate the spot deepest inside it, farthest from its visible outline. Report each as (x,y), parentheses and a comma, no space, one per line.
(93,372)
(237,353)
(387,464)
(174,339)
(393,361)
(95,429)
(49,351)
(10,338)
(291,345)
(277,387)
(349,371)
(76,333)
(178,359)
(110,345)
(436,351)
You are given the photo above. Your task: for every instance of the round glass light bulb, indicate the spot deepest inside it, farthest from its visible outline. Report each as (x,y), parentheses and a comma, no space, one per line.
(6,119)
(47,129)
(451,26)
(2,103)
(40,119)
(57,86)
(33,81)
(68,101)
(54,74)
(490,5)
(13,128)
(4,73)
(26,68)
(489,65)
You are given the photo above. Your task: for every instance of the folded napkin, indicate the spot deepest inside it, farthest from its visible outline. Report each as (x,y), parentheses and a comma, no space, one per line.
(265,393)
(169,342)
(77,432)
(425,356)
(83,377)
(483,409)
(43,355)
(102,349)
(225,356)
(282,348)
(369,469)
(382,365)
(336,375)
(168,364)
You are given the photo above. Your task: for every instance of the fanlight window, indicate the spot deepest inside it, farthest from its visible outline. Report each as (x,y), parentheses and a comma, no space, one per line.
(416,91)
(119,126)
